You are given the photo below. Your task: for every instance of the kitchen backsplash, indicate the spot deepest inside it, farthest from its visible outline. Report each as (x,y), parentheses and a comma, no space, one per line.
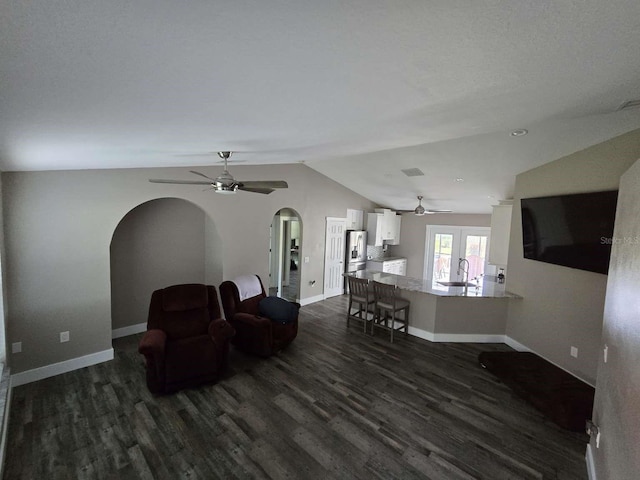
(375,252)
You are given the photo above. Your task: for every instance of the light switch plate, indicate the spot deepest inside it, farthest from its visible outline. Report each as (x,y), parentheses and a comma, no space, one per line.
(574,352)
(64,337)
(16,347)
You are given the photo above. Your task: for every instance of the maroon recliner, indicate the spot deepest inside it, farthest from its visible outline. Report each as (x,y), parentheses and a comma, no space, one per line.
(186,342)
(255,334)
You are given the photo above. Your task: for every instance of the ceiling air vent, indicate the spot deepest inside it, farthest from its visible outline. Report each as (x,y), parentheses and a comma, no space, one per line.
(629,104)
(413,172)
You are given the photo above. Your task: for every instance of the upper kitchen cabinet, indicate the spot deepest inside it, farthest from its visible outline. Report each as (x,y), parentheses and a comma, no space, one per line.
(396,221)
(500,233)
(355,219)
(383,227)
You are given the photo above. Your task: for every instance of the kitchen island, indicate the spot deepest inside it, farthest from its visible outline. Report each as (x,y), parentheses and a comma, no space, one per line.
(451,314)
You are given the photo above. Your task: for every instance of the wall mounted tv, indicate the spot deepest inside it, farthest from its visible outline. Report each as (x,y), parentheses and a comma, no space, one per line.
(571,230)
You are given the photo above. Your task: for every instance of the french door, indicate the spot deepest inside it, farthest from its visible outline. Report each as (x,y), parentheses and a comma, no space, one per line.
(445,247)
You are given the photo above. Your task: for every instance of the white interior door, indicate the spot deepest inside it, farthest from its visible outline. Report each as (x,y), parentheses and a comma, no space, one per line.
(334,256)
(446,245)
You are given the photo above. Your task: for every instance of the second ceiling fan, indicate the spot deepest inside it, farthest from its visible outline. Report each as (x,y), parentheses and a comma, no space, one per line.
(420,210)
(225,183)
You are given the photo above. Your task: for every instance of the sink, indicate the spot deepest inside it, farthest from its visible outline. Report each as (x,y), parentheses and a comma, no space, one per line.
(458,284)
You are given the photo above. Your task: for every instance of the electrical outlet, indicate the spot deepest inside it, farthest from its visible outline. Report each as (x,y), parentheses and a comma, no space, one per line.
(574,352)
(16,347)
(306,259)
(64,337)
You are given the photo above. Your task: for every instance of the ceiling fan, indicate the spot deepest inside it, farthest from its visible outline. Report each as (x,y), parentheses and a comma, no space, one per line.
(420,210)
(225,183)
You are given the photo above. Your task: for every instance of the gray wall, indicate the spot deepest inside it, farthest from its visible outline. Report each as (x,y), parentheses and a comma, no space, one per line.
(618,386)
(59,226)
(3,288)
(563,307)
(157,244)
(413,236)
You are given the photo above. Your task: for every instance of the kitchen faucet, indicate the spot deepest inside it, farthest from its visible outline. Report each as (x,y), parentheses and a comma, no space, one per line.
(465,279)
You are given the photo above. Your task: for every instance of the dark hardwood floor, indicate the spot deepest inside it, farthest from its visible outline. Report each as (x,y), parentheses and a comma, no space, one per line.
(337,403)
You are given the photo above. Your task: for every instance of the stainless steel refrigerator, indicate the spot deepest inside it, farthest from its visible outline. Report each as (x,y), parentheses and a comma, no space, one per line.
(356,250)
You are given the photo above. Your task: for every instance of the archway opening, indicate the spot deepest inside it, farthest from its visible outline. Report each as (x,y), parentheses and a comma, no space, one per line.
(163,242)
(284,254)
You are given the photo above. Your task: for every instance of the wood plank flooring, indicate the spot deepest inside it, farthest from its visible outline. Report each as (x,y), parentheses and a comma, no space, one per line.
(337,403)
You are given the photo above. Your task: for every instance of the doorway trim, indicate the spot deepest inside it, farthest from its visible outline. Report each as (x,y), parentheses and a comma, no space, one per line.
(334,255)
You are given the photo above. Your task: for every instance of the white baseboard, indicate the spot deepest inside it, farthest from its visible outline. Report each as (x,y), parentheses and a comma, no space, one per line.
(130,330)
(310,300)
(516,345)
(424,334)
(456,337)
(469,338)
(60,367)
(591,466)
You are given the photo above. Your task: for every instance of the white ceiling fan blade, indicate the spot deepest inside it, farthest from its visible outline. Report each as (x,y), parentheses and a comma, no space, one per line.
(264,184)
(432,212)
(180,182)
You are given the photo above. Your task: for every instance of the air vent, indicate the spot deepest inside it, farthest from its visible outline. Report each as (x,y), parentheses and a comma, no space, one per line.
(413,172)
(629,104)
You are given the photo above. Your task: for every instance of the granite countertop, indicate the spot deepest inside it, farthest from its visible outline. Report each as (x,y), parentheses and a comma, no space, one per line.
(385,259)
(488,290)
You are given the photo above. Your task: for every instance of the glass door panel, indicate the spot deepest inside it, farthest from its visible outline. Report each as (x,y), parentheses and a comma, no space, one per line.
(446,245)
(443,243)
(475,251)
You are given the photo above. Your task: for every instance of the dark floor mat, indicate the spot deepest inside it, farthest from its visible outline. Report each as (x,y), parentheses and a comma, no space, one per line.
(557,394)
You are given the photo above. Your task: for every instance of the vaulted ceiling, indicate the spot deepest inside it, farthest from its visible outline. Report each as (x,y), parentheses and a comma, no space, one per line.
(358,90)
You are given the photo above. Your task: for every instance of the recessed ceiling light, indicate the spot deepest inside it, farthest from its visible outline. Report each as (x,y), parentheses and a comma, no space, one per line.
(459,179)
(519,132)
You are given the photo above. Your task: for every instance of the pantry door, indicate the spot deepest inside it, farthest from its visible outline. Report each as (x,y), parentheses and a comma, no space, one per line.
(446,245)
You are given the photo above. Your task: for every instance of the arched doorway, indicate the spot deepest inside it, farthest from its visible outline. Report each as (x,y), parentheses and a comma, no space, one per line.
(159,243)
(284,254)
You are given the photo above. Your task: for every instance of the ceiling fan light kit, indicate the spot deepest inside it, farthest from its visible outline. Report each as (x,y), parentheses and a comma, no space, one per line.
(226,184)
(419,211)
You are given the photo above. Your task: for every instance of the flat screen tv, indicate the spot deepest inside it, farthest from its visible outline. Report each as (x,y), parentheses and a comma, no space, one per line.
(571,230)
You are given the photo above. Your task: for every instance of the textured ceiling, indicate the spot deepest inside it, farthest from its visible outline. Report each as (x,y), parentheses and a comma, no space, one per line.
(357,90)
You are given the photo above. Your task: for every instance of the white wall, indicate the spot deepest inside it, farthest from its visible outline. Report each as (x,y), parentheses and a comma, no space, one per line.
(618,386)
(157,244)
(562,307)
(59,226)
(413,235)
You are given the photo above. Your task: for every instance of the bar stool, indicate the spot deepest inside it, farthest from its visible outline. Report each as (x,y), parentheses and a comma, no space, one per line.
(362,296)
(389,304)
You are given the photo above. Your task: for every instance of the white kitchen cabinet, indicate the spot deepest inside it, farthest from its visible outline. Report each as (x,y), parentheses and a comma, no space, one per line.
(355,219)
(383,227)
(500,233)
(395,224)
(375,226)
(397,266)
